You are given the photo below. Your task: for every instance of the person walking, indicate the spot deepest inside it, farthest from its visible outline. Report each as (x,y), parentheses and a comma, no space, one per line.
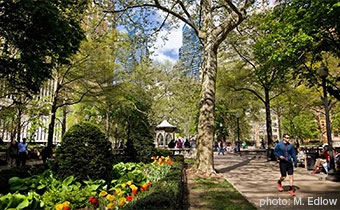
(12,154)
(23,151)
(220,148)
(285,152)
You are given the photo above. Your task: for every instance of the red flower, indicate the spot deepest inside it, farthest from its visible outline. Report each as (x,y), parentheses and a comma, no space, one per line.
(91,198)
(149,183)
(67,208)
(146,188)
(94,201)
(134,192)
(129,198)
(141,189)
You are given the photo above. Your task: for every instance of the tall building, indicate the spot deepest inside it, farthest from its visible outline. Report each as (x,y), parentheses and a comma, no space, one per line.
(191,52)
(259,129)
(139,52)
(29,129)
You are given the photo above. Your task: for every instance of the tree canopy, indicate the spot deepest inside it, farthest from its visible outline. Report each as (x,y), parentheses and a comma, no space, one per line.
(34,37)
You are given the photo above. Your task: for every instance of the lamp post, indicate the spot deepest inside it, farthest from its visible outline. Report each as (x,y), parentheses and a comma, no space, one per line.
(238,131)
(221,133)
(332,174)
(116,127)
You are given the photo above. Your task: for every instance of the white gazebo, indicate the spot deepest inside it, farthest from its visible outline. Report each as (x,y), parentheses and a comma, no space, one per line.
(165,132)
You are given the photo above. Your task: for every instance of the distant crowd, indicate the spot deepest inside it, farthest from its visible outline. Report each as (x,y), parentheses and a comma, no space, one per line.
(182,143)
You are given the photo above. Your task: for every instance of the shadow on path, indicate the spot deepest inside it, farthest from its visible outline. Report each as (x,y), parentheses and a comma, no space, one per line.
(230,168)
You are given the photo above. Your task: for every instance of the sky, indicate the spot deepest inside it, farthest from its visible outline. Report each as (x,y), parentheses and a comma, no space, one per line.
(168,49)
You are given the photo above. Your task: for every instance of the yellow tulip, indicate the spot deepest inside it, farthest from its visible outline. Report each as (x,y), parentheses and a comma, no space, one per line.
(110,197)
(122,201)
(120,194)
(59,206)
(129,183)
(158,168)
(123,185)
(111,205)
(103,193)
(118,191)
(66,204)
(132,186)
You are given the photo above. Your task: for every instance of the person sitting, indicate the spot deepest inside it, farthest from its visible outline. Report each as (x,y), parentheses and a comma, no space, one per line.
(337,161)
(300,156)
(321,162)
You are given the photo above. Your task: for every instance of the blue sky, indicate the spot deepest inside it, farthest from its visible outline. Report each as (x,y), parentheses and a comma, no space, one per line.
(168,49)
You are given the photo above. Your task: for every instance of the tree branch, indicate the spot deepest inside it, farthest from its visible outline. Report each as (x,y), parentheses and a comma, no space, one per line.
(250,90)
(242,56)
(158,6)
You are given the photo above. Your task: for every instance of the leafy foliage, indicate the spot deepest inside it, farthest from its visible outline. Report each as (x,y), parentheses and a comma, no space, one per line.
(163,194)
(19,201)
(84,152)
(35,36)
(22,172)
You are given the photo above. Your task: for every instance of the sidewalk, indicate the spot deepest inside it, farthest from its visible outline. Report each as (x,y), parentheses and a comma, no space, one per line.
(28,162)
(257,179)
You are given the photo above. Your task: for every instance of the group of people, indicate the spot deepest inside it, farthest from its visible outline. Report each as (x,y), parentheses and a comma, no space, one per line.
(179,143)
(222,147)
(17,153)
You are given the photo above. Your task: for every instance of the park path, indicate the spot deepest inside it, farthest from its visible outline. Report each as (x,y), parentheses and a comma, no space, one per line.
(256,179)
(28,162)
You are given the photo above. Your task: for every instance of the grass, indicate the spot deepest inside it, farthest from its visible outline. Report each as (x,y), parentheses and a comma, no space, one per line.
(216,193)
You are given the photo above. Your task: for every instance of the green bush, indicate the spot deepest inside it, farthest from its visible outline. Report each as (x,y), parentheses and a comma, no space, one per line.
(164,194)
(162,152)
(85,152)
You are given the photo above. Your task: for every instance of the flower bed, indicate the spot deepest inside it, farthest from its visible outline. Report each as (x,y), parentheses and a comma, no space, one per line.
(132,186)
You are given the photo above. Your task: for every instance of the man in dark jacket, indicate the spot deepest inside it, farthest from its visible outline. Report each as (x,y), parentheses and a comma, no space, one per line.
(285,152)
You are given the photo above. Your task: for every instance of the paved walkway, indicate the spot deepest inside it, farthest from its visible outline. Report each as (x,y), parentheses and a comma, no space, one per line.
(257,179)
(28,162)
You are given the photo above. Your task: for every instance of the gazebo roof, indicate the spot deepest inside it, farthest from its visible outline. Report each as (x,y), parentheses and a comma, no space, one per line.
(165,124)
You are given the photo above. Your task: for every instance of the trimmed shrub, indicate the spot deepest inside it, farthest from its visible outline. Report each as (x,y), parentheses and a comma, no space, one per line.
(85,152)
(164,194)
(162,152)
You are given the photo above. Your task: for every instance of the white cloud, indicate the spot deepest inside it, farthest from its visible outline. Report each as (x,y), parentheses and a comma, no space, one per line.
(173,43)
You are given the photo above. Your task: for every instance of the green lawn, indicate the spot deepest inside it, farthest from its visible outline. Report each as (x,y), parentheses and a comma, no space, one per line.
(215,193)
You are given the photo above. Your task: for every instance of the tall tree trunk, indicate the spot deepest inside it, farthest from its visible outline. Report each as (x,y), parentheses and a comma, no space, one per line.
(268,119)
(63,126)
(53,115)
(278,111)
(19,124)
(107,113)
(205,157)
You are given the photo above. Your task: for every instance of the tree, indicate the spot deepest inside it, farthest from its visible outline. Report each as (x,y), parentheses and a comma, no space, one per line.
(265,64)
(297,113)
(312,29)
(215,21)
(34,37)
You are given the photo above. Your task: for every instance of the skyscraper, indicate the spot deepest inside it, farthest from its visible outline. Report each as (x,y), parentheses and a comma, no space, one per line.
(191,53)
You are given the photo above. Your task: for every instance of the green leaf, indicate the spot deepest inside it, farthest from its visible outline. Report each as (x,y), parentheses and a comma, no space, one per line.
(23,204)
(14,180)
(68,181)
